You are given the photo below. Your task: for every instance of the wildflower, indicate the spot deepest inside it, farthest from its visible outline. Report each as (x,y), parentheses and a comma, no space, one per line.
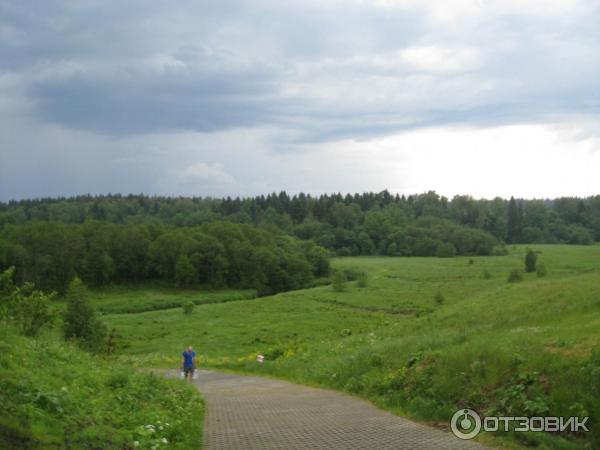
(136,443)
(164,441)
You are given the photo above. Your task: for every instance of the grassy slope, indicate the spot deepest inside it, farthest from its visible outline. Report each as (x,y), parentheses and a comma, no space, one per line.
(55,396)
(520,348)
(141,298)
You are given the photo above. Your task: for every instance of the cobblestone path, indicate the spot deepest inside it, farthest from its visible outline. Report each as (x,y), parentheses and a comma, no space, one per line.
(247,412)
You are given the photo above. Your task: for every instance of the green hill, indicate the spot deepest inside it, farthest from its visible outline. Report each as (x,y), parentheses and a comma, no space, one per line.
(53,396)
(425,337)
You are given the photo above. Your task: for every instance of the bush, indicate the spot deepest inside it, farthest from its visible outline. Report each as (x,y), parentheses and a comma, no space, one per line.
(445,250)
(499,250)
(351,274)
(27,307)
(338,282)
(79,321)
(362,279)
(439,298)
(541,270)
(111,342)
(188,307)
(530,261)
(118,379)
(33,309)
(514,276)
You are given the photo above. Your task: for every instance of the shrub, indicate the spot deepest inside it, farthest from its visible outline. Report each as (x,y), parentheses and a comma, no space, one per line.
(530,261)
(514,276)
(487,275)
(499,250)
(439,298)
(471,261)
(351,274)
(111,342)
(33,310)
(445,250)
(362,279)
(80,321)
(541,270)
(339,281)
(117,380)
(27,307)
(188,307)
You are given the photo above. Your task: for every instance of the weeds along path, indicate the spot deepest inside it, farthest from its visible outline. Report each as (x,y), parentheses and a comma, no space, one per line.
(247,412)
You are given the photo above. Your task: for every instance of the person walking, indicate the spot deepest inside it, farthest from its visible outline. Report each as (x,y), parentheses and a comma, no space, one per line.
(188,363)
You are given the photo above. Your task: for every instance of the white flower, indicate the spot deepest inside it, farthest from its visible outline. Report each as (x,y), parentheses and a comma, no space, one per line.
(136,443)
(164,441)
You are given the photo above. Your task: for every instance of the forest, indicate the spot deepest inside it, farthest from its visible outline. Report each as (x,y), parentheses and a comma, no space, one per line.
(215,255)
(271,243)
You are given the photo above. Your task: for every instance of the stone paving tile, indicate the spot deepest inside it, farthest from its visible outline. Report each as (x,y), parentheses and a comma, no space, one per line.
(245,412)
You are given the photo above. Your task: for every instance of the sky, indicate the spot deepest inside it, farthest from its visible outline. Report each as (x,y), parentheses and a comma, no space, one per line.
(214,98)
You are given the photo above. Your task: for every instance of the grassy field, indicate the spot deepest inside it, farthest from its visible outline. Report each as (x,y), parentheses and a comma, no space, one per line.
(424,338)
(54,396)
(148,297)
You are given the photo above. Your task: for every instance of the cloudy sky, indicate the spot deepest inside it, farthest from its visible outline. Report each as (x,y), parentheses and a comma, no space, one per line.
(480,97)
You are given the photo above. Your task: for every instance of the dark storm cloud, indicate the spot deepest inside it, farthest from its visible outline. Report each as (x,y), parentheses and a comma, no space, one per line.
(151,66)
(139,67)
(153,105)
(142,67)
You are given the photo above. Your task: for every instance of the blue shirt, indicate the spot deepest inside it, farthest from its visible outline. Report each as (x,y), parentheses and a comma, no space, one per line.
(188,358)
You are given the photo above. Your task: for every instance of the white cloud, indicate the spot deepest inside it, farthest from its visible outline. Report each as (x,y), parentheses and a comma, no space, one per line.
(454,10)
(434,58)
(206,173)
(547,160)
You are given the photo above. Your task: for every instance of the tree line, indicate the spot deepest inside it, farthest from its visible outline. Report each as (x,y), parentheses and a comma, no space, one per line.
(358,224)
(215,254)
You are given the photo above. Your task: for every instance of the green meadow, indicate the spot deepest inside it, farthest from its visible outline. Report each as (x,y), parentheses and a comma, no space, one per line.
(424,337)
(55,396)
(158,296)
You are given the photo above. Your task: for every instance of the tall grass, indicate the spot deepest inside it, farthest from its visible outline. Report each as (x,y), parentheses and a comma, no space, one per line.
(53,396)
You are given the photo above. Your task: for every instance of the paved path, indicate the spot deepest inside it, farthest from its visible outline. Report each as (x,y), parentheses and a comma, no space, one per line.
(246,412)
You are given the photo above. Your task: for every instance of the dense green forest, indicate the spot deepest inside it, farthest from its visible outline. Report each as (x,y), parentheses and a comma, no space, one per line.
(216,254)
(271,243)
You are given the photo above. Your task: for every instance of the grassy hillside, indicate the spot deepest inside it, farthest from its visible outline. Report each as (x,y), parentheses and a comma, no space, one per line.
(525,348)
(154,297)
(53,396)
